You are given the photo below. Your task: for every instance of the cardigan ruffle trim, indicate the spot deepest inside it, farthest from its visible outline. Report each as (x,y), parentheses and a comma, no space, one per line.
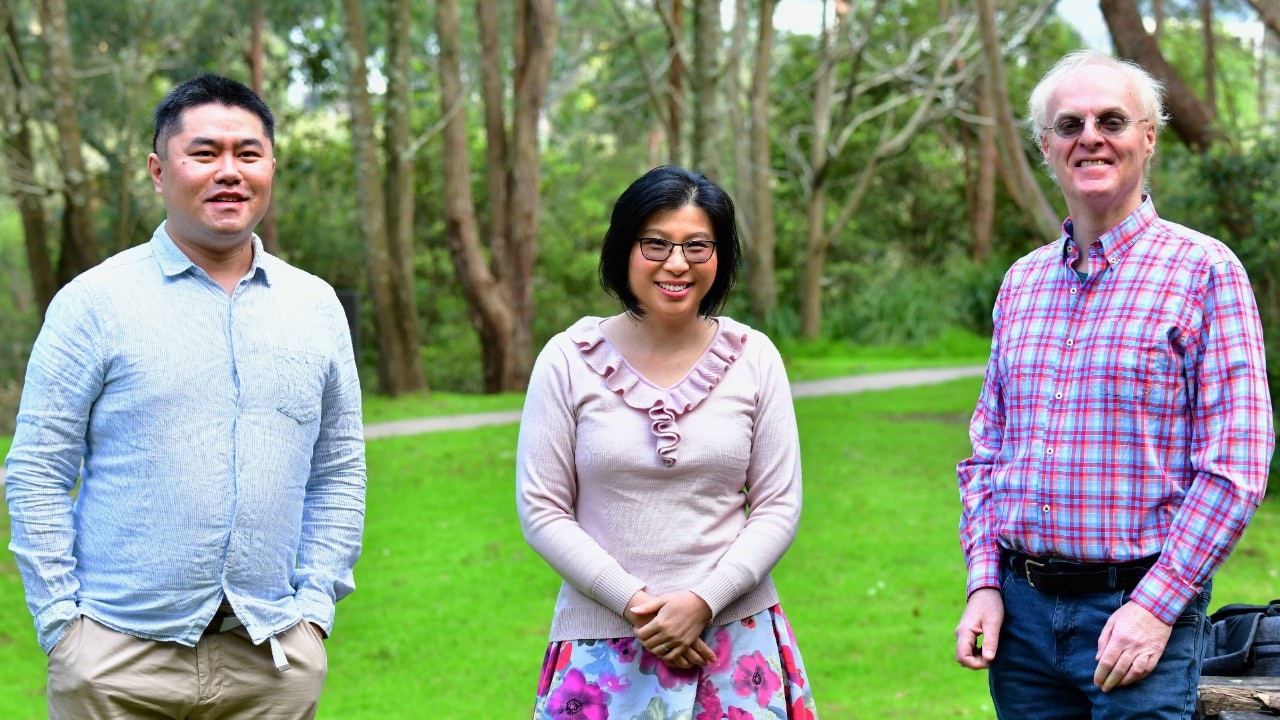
(663,405)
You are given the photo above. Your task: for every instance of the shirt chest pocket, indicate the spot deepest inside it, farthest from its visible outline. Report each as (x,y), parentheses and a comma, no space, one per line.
(1131,373)
(300,381)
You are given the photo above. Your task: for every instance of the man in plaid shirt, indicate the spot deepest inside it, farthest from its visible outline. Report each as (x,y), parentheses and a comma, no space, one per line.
(1123,434)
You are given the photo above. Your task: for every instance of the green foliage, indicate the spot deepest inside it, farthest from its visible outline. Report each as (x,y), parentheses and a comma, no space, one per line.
(890,298)
(1233,193)
(17,307)
(1235,65)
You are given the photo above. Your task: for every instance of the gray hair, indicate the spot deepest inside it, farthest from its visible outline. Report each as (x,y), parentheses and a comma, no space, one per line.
(1150,90)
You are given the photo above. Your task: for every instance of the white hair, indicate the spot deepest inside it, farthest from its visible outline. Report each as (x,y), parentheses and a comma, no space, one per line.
(1150,96)
(1150,90)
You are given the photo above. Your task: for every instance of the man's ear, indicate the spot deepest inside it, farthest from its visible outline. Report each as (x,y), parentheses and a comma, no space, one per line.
(156,171)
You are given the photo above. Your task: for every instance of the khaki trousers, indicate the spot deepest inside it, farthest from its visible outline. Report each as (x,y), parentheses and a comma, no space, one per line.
(96,673)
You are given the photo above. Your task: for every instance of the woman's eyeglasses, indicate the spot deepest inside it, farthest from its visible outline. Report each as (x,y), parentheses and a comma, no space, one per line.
(1070,127)
(658,250)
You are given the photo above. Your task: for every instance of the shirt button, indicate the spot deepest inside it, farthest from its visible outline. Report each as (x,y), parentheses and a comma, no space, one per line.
(1073,291)
(1049,451)
(1057,396)
(1071,343)
(1045,508)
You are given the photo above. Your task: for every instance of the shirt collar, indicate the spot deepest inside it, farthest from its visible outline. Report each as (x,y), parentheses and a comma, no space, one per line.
(174,262)
(1116,241)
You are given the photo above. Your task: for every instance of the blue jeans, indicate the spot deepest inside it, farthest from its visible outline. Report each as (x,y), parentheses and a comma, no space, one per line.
(1044,663)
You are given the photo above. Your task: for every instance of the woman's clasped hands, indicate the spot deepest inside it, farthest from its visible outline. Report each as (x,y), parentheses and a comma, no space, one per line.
(670,626)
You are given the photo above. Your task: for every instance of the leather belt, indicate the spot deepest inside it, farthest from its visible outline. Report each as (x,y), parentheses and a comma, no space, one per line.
(1065,577)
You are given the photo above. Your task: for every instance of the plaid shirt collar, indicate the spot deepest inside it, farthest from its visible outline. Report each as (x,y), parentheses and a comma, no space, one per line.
(1116,241)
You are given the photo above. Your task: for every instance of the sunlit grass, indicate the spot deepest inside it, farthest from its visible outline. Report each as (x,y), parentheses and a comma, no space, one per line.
(379,408)
(817,360)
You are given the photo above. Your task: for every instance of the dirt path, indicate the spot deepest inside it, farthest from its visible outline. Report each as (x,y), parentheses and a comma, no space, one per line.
(811,388)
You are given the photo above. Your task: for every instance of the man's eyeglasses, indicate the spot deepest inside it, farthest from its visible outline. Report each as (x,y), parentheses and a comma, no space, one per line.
(695,251)
(1070,127)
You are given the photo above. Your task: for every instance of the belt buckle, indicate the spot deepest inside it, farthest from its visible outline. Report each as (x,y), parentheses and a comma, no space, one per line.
(1026,569)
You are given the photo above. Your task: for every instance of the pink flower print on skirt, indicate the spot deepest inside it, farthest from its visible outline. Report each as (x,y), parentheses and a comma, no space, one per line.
(758,674)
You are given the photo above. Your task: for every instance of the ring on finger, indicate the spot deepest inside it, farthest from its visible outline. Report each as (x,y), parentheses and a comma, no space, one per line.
(662,648)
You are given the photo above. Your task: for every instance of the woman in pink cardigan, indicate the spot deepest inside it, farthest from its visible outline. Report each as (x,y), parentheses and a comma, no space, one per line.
(645,438)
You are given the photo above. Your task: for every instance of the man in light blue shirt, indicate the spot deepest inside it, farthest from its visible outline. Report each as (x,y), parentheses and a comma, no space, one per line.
(206,396)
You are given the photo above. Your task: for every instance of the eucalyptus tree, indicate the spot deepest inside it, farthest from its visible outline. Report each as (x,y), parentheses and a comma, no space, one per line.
(388,257)
(760,253)
(893,80)
(498,289)
(1192,119)
(80,247)
(1019,177)
(20,161)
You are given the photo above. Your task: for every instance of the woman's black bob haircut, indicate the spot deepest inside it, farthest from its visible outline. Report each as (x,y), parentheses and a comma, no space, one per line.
(662,189)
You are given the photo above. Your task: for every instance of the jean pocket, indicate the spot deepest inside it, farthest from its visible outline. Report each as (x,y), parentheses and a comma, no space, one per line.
(300,378)
(1197,608)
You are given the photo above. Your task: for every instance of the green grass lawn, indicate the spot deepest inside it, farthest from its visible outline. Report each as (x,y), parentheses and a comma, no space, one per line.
(451,612)
(816,360)
(379,408)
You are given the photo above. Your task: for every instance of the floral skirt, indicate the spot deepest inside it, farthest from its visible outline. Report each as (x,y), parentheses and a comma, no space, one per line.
(758,674)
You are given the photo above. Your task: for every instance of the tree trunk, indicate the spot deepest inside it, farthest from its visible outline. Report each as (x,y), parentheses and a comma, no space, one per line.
(815,256)
(80,249)
(535,42)
(399,364)
(980,160)
(742,193)
(763,287)
(1023,188)
(399,188)
(1269,12)
(255,57)
(707,119)
(497,154)
(1210,60)
(674,82)
(1192,121)
(490,306)
(982,203)
(15,137)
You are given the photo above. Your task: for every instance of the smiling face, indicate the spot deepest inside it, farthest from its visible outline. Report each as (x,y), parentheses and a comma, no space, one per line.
(1100,175)
(215,178)
(672,289)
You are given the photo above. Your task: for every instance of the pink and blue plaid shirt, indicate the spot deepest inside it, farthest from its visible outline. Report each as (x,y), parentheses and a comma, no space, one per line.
(1121,416)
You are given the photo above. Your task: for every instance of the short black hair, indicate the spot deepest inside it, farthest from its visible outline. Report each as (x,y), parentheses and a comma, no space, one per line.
(662,189)
(204,90)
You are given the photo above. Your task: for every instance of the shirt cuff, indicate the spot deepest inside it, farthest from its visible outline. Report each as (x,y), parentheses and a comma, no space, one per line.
(54,622)
(1161,594)
(317,608)
(717,591)
(614,588)
(984,571)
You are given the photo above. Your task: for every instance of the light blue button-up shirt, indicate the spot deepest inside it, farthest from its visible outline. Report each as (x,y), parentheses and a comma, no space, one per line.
(222,450)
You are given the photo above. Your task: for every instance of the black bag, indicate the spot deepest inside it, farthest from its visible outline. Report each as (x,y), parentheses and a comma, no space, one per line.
(1244,640)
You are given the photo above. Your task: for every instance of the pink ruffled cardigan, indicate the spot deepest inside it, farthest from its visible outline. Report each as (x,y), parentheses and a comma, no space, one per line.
(622,485)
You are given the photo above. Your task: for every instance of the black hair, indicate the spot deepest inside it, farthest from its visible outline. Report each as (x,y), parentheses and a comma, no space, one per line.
(205,90)
(662,189)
